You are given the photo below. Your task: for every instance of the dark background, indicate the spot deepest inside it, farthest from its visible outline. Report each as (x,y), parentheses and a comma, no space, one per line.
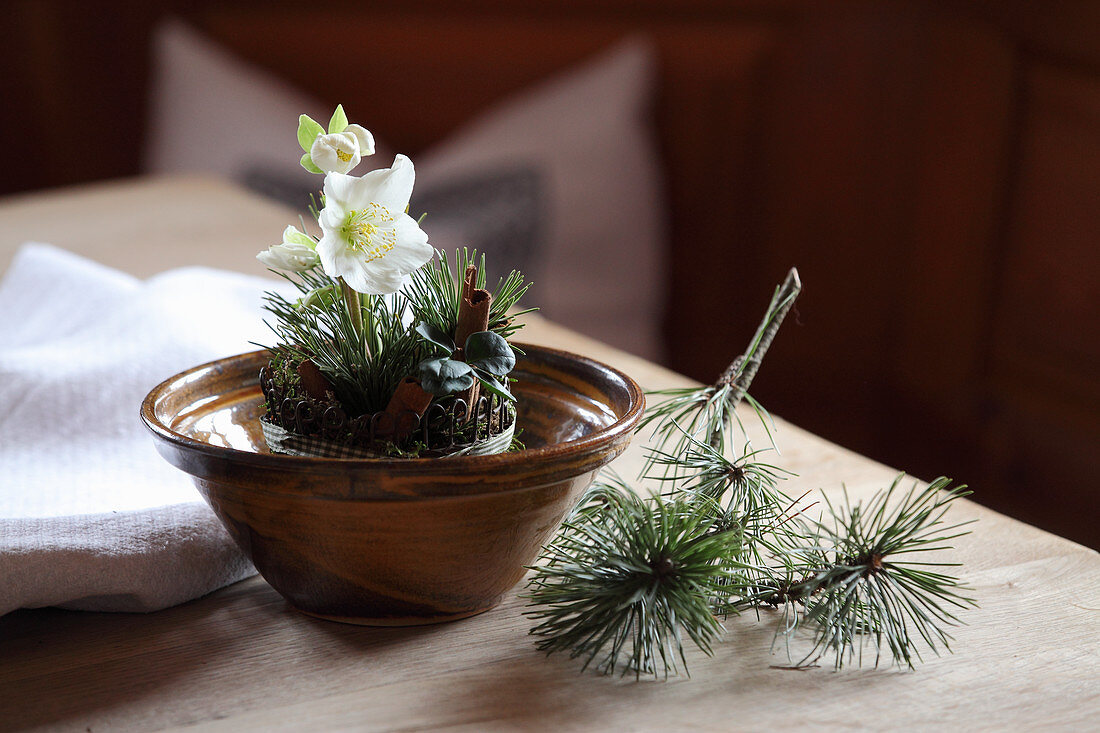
(933,168)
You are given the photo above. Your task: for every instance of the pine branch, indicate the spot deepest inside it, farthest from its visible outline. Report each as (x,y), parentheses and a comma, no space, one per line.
(627,579)
(858,587)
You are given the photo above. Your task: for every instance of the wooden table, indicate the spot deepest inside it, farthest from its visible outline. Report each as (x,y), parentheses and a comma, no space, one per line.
(242,659)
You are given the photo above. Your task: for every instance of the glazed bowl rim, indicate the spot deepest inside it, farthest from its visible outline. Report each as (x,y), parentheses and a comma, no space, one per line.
(589,444)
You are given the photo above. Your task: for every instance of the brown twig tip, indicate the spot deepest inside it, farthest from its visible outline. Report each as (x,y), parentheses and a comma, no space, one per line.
(792,283)
(662,567)
(740,373)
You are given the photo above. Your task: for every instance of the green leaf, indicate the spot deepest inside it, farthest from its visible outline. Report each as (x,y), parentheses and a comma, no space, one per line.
(309,165)
(433,333)
(308,130)
(445,376)
(339,120)
(490,352)
(489,382)
(293,235)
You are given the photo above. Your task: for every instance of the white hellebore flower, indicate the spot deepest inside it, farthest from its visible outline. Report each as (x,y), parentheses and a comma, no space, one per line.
(336,152)
(368,239)
(297,253)
(339,152)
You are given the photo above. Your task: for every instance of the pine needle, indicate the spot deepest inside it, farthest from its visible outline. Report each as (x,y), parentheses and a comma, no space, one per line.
(434,291)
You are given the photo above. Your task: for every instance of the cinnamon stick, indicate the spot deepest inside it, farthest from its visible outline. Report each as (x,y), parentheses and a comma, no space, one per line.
(469,280)
(473,308)
(313,381)
(409,400)
(473,317)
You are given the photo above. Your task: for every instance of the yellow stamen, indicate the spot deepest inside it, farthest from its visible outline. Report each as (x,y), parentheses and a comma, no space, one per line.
(345,157)
(370,231)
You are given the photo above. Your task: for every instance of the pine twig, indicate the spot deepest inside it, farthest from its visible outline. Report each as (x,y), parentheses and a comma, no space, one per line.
(857,584)
(742,371)
(708,413)
(747,484)
(627,578)
(320,327)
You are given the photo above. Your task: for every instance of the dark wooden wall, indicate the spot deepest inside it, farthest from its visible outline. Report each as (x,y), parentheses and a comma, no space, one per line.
(933,168)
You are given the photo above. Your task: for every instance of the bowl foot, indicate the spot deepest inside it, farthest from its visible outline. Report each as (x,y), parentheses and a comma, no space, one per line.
(395,620)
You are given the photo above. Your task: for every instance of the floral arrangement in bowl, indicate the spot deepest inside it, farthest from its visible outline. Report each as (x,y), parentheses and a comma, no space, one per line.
(391,349)
(368,462)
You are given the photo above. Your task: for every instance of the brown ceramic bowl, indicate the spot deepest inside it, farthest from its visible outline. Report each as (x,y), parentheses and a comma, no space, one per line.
(390,541)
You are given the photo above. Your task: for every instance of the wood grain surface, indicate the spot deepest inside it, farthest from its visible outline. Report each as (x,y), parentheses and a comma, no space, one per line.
(242,659)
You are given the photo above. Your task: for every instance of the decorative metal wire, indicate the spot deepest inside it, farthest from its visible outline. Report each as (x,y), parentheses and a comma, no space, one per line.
(443,428)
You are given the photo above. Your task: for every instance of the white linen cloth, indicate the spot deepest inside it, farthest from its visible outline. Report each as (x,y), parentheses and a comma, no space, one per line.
(91,517)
